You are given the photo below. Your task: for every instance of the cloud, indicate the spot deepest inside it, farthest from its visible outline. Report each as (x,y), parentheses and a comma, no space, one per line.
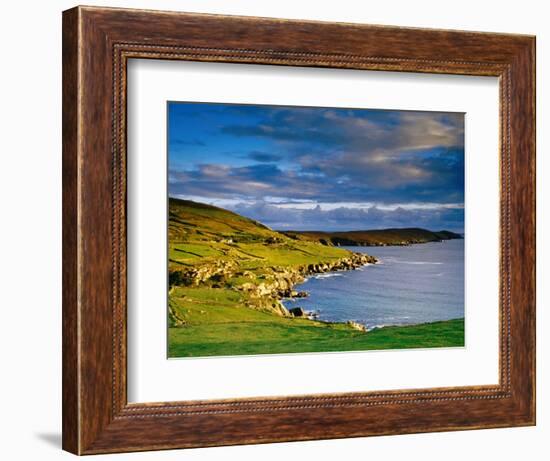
(437,178)
(380,153)
(222,181)
(265,157)
(346,218)
(320,155)
(368,130)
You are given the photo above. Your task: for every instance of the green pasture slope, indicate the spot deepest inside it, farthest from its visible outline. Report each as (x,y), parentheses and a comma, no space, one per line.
(199,234)
(215,317)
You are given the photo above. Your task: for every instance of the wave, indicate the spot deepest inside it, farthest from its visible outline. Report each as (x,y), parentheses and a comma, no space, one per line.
(364,266)
(375,327)
(418,262)
(392,259)
(326,276)
(384,325)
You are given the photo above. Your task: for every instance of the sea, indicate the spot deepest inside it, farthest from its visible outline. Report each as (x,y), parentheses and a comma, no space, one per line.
(409,285)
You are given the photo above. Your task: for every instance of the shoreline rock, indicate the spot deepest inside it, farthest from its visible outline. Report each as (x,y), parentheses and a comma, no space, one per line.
(297,312)
(287,278)
(356,325)
(273,287)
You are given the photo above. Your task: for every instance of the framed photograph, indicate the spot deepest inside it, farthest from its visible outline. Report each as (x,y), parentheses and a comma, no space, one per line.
(281,230)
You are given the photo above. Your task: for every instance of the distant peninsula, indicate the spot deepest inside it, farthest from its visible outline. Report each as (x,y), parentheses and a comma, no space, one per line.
(370,238)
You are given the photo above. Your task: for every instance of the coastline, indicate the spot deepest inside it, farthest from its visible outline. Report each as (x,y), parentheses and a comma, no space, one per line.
(353,262)
(314,312)
(229,275)
(281,285)
(258,331)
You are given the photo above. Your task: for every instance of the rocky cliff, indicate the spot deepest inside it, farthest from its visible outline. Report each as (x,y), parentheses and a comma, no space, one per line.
(215,249)
(264,290)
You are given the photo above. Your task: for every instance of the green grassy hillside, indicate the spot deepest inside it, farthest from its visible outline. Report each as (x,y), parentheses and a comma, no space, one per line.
(243,261)
(228,274)
(381,237)
(199,234)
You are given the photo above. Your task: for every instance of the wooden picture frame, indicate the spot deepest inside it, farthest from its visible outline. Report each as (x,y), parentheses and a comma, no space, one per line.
(97,43)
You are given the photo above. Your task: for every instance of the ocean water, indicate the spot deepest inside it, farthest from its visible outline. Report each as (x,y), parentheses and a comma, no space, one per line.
(411,284)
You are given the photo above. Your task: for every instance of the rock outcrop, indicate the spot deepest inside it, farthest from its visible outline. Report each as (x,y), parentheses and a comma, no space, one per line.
(215,272)
(275,283)
(297,312)
(280,282)
(356,325)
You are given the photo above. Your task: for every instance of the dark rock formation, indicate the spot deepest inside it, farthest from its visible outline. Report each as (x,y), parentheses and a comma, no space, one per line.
(297,312)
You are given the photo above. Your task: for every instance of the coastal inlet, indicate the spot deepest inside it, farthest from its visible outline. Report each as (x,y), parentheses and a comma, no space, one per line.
(410,285)
(231,280)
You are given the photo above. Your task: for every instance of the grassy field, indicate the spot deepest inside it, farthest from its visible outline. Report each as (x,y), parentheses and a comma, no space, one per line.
(226,275)
(200,234)
(217,326)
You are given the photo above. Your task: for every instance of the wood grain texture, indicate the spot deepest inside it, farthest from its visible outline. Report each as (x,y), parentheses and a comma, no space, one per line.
(97,43)
(70,383)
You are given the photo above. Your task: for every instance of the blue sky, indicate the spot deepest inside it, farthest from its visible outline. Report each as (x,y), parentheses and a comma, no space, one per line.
(320,168)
